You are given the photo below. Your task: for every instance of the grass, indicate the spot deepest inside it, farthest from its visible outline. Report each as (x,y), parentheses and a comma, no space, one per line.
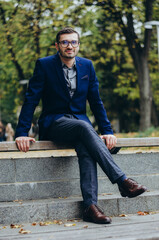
(150,132)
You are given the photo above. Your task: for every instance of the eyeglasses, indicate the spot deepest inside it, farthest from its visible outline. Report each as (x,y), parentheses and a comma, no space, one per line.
(66,43)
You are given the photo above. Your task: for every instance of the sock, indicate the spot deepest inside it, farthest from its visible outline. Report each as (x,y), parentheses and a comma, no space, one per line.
(121,179)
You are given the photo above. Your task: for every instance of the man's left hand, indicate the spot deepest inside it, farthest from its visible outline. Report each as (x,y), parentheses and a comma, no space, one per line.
(110,139)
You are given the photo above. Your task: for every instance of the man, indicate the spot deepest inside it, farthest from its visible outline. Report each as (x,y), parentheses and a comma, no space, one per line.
(65,82)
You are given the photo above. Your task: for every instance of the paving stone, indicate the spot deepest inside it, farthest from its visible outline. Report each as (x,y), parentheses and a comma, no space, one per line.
(131,227)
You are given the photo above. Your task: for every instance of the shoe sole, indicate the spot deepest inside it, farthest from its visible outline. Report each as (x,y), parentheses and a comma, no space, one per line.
(90,220)
(132,196)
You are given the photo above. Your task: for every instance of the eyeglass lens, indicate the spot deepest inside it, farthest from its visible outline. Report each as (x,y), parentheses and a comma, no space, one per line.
(65,43)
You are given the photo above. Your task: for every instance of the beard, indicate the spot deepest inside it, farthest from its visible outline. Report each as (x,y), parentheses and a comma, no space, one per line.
(65,55)
(68,57)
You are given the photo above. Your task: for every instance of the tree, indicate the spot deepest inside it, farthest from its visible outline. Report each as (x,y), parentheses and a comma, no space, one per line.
(109,53)
(126,13)
(28,30)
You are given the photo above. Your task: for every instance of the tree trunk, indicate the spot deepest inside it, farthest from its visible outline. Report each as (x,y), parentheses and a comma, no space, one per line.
(154,114)
(145,92)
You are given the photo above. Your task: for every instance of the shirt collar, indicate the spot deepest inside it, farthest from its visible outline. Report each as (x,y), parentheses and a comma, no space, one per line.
(65,66)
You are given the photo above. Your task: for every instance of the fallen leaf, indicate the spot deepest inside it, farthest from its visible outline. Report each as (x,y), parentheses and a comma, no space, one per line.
(103,194)
(18,201)
(23,231)
(154,212)
(142,213)
(123,215)
(60,223)
(74,220)
(85,226)
(69,224)
(55,221)
(43,224)
(146,213)
(34,224)
(16,226)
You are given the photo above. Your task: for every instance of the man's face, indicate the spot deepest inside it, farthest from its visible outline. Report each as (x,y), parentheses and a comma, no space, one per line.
(68,52)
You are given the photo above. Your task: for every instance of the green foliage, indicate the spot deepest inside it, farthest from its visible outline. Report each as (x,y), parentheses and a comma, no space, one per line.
(28,31)
(150,132)
(111,56)
(103,43)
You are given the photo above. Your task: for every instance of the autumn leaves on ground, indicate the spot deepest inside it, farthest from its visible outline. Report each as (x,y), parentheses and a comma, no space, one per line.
(66,223)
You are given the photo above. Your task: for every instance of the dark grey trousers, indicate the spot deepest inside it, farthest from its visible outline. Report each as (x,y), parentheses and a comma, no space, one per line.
(90,150)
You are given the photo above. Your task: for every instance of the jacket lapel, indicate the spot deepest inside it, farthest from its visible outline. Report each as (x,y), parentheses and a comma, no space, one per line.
(59,69)
(79,73)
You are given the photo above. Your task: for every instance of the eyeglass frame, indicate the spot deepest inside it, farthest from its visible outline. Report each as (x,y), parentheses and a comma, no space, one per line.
(69,42)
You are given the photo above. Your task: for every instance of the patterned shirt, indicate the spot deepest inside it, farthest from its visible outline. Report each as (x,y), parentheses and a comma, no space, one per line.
(70,75)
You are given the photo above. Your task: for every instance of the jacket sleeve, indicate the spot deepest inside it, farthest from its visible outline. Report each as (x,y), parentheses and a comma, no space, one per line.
(32,98)
(96,104)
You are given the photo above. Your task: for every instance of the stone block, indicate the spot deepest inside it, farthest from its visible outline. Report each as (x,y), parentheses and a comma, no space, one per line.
(7,171)
(136,164)
(27,191)
(146,202)
(7,192)
(65,210)
(16,213)
(45,169)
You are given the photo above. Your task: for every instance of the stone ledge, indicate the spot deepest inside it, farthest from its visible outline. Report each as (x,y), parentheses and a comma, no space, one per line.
(48,145)
(38,154)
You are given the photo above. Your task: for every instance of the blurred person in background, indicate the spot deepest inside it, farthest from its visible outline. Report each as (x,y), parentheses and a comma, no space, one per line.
(9,132)
(2,132)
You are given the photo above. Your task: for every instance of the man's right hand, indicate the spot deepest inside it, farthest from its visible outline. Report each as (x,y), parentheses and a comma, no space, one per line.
(23,143)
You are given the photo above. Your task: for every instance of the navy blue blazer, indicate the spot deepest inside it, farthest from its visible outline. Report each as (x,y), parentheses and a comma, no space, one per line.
(48,83)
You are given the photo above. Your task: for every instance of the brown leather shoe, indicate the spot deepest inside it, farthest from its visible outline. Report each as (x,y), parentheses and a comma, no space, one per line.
(94,214)
(130,188)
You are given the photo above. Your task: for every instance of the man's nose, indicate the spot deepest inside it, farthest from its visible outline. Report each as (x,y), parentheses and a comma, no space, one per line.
(69,45)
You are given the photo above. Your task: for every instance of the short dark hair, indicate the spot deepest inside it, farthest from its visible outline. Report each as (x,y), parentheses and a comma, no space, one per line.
(66,30)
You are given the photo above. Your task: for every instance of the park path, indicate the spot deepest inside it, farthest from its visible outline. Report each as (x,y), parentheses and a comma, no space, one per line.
(128,227)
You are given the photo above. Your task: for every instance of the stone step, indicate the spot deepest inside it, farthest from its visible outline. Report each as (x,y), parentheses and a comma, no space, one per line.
(61,168)
(45,177)
(55,189)
(70,208)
